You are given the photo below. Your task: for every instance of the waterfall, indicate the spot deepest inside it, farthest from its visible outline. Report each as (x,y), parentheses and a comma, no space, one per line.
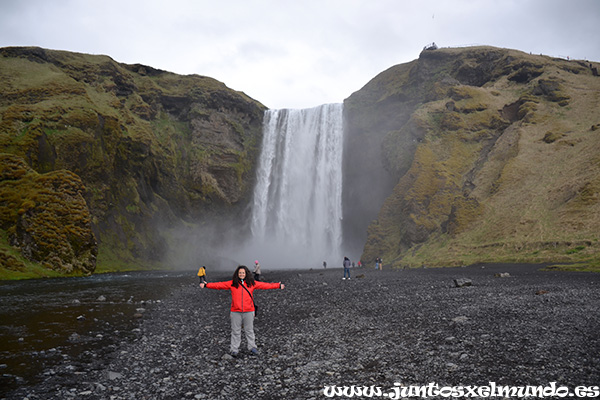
(297,207)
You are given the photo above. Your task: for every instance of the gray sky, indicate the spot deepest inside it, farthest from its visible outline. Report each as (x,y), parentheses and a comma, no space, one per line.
(296,53)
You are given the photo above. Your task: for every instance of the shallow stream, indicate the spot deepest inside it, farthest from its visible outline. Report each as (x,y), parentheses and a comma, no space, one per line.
(50,321)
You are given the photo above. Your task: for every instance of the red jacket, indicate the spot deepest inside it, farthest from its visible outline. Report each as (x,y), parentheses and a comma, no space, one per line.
(240,300)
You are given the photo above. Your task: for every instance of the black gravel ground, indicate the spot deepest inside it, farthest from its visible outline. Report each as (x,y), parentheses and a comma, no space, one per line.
(381,328)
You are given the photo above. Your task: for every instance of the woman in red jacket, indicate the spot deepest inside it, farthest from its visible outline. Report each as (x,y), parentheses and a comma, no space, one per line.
(242,285)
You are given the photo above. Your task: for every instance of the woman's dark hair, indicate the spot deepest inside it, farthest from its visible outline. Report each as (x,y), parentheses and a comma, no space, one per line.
(236,280)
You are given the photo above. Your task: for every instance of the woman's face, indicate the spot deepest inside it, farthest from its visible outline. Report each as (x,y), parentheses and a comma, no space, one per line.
(242,273)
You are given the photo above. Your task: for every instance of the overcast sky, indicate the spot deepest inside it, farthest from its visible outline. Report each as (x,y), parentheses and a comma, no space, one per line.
(296,53)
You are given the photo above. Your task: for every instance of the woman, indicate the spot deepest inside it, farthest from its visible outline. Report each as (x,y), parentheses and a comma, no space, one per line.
(242,285)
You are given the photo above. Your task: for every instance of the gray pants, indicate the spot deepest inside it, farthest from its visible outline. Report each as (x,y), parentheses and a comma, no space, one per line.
(239,319)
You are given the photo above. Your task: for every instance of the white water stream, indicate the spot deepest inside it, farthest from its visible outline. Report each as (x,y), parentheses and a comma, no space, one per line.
(297,207)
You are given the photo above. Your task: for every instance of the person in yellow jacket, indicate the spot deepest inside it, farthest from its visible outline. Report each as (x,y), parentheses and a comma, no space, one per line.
(202,274)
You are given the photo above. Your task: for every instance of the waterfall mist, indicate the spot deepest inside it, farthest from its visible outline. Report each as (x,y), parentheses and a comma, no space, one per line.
(297,204)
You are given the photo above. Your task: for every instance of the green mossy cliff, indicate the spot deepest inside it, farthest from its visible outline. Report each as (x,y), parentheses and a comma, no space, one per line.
(483,155)
(51,224)
(103,163)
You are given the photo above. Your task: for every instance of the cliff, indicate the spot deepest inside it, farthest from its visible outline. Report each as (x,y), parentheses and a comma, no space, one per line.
(484,155)
(462,156)
(110,164)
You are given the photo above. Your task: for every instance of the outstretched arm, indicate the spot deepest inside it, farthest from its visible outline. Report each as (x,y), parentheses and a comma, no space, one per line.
(268,285)
(216,285)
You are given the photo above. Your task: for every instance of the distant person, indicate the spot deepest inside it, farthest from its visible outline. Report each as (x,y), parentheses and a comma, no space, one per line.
(376,262)
(380,264)
(324,264)
(346,265)
(202,274)
(359,264)
(242,285)
(256,271)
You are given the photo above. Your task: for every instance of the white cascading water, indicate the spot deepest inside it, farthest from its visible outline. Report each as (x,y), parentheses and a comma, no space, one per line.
(297,208)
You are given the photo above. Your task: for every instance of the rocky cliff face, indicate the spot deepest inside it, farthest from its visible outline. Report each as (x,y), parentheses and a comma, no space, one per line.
(142,152)
(461,156)
(484,155)
(46,217)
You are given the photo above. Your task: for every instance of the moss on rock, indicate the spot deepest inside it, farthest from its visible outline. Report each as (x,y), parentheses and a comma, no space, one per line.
(46,216)
(177,150)
(480,182)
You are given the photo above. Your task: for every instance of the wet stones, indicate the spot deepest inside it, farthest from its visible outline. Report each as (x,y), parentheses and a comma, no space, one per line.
(323,331)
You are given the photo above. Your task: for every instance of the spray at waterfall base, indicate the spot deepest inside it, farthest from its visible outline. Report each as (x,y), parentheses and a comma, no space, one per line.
(297,202)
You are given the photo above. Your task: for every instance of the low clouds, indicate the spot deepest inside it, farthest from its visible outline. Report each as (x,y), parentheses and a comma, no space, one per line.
(296,54)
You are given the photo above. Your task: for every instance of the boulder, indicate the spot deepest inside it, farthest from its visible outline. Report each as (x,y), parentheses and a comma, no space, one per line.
(463,282)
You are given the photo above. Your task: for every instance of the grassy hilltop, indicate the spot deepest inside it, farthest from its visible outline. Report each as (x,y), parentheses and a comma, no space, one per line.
(488,154)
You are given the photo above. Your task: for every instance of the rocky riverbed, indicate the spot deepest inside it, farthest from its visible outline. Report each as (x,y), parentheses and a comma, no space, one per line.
(513,325)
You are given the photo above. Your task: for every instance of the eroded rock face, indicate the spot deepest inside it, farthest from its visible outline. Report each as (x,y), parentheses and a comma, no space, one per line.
(155,150)
(47,217)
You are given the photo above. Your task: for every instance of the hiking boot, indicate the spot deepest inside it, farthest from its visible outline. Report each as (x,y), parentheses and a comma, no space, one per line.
(254,351)
(234,354)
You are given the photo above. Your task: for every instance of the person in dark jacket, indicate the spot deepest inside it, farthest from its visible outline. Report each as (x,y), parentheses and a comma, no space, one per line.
(346,267)
(242,286)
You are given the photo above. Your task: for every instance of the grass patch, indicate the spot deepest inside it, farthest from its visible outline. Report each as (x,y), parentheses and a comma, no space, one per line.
(112,260)
(575,250)
(592,266)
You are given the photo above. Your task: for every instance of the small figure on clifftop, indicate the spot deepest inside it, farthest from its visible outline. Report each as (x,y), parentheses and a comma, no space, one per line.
(431,46)
(243,309)
(202,274)
(346,267)
(324,264)
(256,271)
